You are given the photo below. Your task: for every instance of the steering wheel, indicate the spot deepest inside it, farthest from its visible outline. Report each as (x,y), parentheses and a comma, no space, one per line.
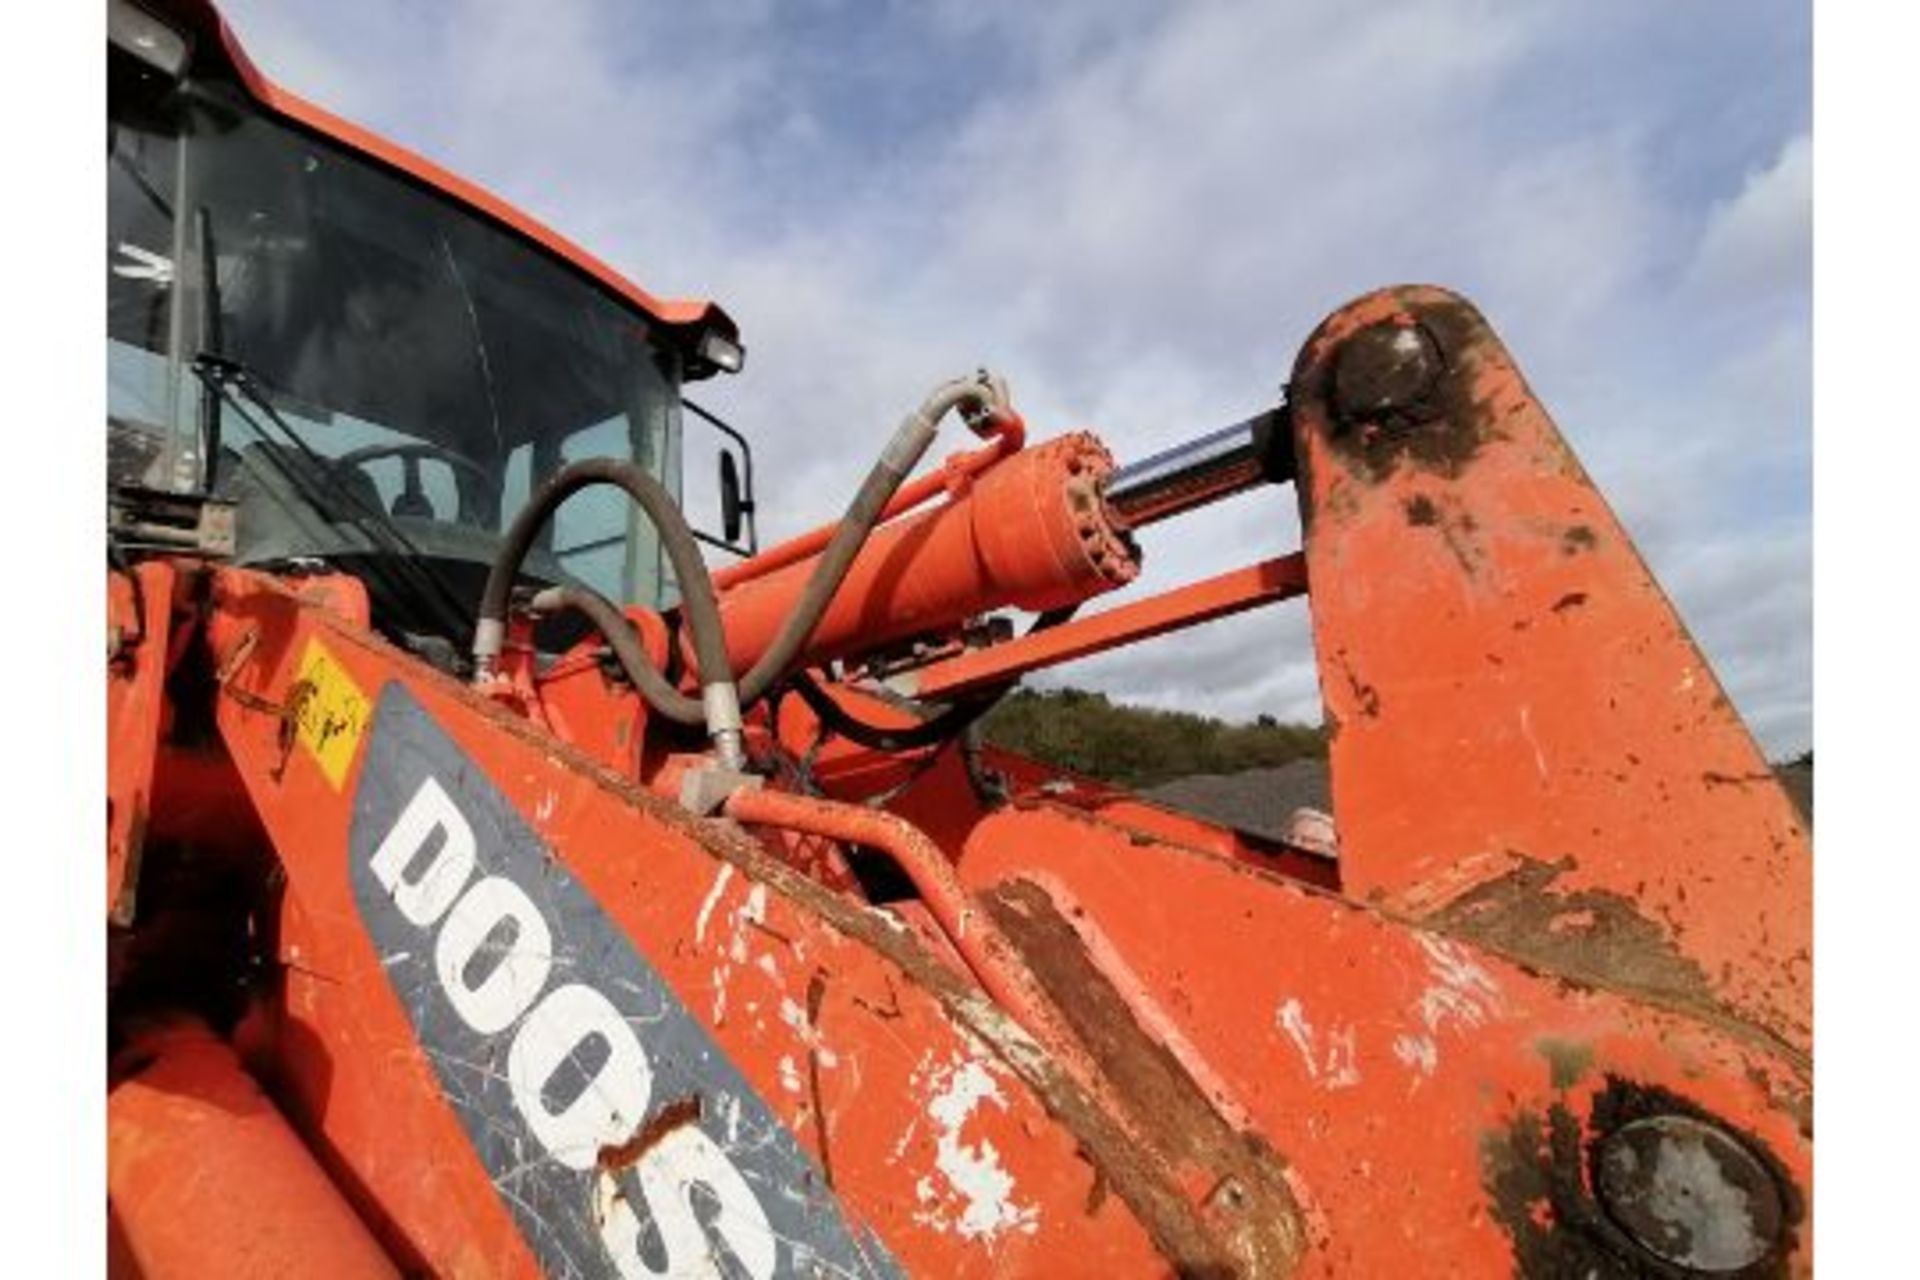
(413,501)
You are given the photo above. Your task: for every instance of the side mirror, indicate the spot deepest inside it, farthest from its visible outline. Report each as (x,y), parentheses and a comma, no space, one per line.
(738,531)
(730,510)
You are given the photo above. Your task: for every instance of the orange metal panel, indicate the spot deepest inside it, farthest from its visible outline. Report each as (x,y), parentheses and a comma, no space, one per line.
(207,1179)
(831,1014)
(139,609)
(1436,1104)
(1528,749)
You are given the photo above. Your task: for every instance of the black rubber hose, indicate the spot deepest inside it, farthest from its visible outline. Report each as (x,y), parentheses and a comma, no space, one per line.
(936,729)
(620,636)
(689,568)
(929,732)
(896,462)
(903,452)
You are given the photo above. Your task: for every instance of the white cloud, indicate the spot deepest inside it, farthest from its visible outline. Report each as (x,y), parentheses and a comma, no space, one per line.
(1761,241)
(1138,218)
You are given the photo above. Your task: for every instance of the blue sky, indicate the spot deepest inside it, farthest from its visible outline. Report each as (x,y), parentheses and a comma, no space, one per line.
(1136,211)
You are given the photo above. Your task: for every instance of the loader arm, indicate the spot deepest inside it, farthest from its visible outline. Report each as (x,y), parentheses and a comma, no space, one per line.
(1221,1055)
(698,932)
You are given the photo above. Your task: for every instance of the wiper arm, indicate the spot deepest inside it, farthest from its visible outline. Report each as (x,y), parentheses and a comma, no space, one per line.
(209,342)
(227,380)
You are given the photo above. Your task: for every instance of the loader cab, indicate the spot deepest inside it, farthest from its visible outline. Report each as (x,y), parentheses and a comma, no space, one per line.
(371,367)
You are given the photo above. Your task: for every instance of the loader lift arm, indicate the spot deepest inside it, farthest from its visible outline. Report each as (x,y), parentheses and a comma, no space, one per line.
(511,971)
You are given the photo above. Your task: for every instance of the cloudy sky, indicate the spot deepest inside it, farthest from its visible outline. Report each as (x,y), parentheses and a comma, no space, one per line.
(1136,211)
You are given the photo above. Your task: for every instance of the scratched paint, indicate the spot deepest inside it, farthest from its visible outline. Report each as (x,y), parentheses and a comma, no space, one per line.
(712,899)
(1462,993)
(1539,756)
(740,922)
(1418,1052)
(978,1200)
(1331,1059)
(795,1017)
(540,1112)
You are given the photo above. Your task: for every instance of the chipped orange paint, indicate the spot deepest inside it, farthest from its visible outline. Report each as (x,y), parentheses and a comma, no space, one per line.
(1089,1036)
(1391,1067)
(891,1008)
(1525,737)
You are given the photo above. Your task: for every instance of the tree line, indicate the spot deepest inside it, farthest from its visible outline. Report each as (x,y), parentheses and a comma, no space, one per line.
(1132,746)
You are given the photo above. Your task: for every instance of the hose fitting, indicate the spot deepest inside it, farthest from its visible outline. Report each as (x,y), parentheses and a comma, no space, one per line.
(982,398)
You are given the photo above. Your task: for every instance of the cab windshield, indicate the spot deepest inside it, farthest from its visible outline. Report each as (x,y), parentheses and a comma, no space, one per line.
(398,373)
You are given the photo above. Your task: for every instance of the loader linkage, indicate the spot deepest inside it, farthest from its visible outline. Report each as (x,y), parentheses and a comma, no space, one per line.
(708,941)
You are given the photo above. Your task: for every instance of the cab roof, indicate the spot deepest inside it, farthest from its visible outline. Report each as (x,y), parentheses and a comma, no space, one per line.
(216,47)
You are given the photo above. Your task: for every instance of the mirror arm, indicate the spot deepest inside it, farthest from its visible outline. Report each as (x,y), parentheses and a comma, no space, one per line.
(747,504)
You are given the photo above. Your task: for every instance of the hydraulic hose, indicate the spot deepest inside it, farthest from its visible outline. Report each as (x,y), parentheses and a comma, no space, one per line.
(910,442)
(936,729)
(720,703)
(619,634)
(721,697)
(933,731)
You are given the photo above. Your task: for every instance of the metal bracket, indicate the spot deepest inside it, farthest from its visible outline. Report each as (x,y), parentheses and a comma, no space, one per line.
(705,790)
(142,519)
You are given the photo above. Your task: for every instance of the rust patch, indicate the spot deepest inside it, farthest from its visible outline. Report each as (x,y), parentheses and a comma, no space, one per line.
(675,1115)
(889,1011)
(132,856)
(1251,1210)
(1364,694)
(1567,1060)
(1617,947)
(1797,1103)
(1536,1172)
(816,993)
(1097,1193)
(1576,539)
(1455,526)
(1713,779)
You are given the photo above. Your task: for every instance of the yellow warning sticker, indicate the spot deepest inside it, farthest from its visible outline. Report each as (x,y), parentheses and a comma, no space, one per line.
(332,712)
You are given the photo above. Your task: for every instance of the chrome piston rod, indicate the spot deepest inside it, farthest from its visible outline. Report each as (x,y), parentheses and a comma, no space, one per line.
(1215,466)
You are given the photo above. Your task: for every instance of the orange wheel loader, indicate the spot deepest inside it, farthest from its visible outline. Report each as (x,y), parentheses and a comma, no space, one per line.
(494,889)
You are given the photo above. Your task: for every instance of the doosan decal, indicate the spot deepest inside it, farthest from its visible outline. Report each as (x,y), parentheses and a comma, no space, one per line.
(554,1040)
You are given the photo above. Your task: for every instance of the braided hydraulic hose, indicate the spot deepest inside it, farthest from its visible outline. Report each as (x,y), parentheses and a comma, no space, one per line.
(719,706)
(722,699)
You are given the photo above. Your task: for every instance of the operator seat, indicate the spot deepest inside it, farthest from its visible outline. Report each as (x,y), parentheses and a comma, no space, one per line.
(275,519)
(412,501)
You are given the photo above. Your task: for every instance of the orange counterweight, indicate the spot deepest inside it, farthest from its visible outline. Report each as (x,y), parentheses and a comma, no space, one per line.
(1030,532)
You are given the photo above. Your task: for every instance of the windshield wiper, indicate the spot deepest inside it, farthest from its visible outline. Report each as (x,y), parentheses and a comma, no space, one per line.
(209,341)
(397,562)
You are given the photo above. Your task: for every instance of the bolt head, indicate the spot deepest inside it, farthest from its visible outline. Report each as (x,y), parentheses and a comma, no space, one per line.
(1385,368)
(1689,1193)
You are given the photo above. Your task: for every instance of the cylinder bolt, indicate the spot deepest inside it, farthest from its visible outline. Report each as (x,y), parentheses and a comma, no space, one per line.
(1389,367)
(1689,1193)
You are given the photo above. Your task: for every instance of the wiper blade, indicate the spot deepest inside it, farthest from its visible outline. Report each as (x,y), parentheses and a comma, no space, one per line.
(396,556)
(209,419)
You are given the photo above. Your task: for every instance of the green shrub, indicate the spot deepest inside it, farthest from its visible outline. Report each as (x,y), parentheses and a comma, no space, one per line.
(1130,746)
